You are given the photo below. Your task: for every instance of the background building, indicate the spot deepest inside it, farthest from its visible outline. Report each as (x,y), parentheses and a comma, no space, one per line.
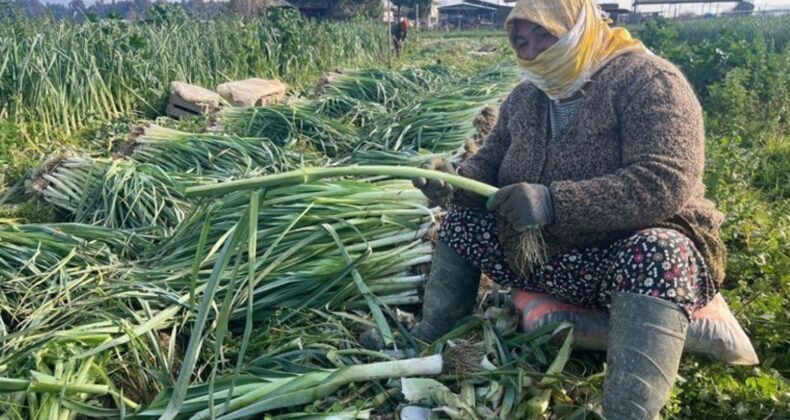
(467,14)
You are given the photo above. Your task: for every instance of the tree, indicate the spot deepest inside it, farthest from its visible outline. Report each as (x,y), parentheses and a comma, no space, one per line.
(339,9)
(76,6)
(412,4)
(57,11)
(251,8)
(344,9)
(33,8)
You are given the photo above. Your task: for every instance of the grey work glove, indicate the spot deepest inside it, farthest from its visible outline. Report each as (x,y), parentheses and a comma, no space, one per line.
(436,190)
(524,205)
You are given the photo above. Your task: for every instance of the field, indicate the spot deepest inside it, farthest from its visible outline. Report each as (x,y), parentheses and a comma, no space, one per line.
(131,286)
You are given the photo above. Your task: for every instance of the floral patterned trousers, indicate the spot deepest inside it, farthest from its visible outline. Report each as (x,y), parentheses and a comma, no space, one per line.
(662,263)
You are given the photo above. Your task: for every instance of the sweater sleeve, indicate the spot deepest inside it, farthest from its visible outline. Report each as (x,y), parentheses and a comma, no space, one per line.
(484,165)
(662,158)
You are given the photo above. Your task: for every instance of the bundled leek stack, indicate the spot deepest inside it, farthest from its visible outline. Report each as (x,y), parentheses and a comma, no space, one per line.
(113,193)
(32,250)
(439,124)
(206,153)
(445,119)
(390,88)
(290,125)
(343,244)
(299,262)
(356,112)
(377,109)
(336,245)
(404,157)
(430,78)
(365,97)
(53,278)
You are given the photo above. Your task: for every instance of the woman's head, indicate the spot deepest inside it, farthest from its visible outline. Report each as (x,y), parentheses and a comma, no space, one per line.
(561,43)
(550,20)
(530,39)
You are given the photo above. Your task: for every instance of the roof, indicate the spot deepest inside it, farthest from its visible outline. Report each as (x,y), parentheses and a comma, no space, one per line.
(462,5)
(644,2)
(493,3)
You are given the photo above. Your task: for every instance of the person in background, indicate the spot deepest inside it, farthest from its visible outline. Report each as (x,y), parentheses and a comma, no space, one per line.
(601,148)
(399,32)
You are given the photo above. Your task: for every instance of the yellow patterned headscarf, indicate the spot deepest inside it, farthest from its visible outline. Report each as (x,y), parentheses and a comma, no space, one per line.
(586,42)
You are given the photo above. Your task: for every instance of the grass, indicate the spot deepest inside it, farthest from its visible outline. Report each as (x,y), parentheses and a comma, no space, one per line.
(57,78)
(741,75)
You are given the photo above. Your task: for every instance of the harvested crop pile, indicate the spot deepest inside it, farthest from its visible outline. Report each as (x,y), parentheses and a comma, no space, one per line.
(228,273)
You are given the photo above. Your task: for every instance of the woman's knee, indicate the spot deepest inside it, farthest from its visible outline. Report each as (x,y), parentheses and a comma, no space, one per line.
(659,262)
(472,234)
(661,246)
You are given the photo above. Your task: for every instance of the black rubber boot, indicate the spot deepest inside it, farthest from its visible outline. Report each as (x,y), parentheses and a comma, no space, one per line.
(646,338)
(450,295)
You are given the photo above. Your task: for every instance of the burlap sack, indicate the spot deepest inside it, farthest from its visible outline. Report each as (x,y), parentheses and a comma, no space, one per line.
(252,92)
(189,100)
(713,331)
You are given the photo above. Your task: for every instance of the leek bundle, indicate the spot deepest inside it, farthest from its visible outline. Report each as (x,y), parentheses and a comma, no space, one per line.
(206,153)
(289,125)
(112,193)
(389,88)
(380,225)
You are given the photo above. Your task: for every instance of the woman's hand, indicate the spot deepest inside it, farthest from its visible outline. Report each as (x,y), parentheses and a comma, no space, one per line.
(524,205)
(436,190)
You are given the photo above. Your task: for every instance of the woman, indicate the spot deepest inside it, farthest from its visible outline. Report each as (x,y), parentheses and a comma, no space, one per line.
(602,148)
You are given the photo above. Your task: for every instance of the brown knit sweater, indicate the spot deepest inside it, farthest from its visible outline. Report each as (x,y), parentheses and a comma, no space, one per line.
(630,158)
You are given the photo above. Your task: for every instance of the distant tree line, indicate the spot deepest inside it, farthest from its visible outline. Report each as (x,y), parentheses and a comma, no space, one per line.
(78,11)
(409,7)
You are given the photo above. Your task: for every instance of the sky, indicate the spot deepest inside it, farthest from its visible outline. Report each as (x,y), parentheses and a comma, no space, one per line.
(697,8)
(759,5)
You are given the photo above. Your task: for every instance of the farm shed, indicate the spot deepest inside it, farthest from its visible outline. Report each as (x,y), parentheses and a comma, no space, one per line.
(313,8)
(672,8)
(613,10)
(473,13)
